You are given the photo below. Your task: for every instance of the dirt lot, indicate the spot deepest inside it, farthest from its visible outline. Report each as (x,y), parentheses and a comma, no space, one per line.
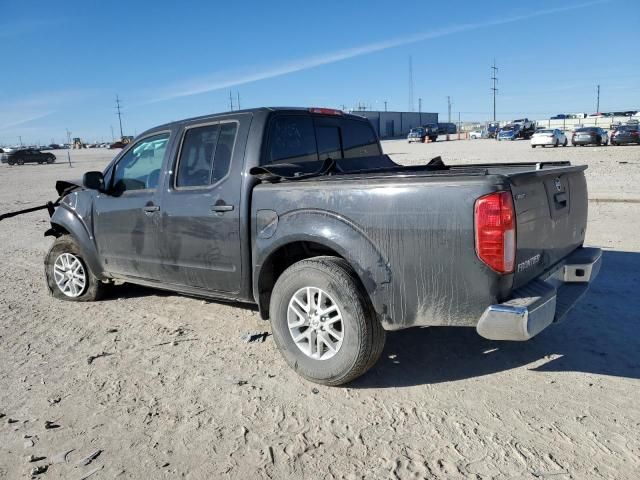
(177,394)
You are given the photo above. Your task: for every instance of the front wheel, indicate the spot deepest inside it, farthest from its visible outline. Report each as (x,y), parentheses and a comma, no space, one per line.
(68,275)
(556,144)
(323,323)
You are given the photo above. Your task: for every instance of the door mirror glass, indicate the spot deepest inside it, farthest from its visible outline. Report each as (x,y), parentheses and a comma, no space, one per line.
(93,181)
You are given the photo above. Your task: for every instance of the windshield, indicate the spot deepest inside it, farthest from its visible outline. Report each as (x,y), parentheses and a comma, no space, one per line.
(417,130)
(628,128)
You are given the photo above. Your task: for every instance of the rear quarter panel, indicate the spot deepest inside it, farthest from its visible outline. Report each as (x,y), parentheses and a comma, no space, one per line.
(411,241)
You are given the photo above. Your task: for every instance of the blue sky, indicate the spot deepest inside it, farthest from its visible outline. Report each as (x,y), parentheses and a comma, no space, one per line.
(62,63)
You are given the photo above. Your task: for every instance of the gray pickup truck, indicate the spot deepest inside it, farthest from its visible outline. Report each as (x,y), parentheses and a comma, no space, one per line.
(299,212)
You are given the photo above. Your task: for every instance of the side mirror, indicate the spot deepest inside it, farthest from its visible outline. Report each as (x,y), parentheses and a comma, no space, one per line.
(93,181)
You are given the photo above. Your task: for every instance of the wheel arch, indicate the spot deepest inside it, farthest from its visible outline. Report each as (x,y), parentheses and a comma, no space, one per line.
(306,234)
(66,222)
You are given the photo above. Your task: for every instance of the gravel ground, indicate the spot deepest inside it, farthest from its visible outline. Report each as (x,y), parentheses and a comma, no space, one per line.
(163,385)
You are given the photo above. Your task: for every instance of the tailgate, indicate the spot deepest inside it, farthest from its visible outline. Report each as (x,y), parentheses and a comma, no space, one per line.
(551,218)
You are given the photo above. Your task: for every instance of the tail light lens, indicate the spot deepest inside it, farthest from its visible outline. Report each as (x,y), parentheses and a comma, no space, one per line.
(495,231)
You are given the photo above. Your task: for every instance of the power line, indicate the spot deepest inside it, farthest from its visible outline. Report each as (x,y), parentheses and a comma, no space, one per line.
(119,115)
(494,79)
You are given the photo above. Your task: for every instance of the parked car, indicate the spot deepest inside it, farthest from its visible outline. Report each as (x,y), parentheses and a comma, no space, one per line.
(549,136)
(560,116)
(417,134)
(117,144)
(479,134)
(27,155)
(590,136)
(626,134)
(300,212)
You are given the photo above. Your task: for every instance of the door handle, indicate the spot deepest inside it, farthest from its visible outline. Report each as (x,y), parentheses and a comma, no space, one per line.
(222,208)
(151,208)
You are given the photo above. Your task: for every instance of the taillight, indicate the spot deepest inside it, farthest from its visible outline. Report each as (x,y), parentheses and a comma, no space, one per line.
(495,231)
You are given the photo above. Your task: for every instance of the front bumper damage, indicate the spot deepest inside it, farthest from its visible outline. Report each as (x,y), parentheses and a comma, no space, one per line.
(543,301)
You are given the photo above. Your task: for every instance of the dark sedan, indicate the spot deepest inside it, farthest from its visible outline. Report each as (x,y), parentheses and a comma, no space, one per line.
(626,134)
(590,136)
(27,155)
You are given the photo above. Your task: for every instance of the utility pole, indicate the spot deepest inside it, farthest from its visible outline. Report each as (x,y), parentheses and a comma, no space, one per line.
(598,101)
(449,110)
(420,105)
(119,115)
(385,105)
(494,89)
(20,139)
(69,136)
(410,84)
(231,100)
(113,139)
(238,100)
(458,125)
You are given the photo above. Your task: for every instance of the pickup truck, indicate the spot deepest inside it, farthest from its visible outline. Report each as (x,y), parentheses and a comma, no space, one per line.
(299,212)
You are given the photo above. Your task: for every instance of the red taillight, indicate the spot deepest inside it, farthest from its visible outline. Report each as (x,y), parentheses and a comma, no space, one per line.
(495,226)
(325,111)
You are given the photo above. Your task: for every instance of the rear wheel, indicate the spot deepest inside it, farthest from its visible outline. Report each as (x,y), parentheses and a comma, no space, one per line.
(68,275)
(557,143)
(323,322)
(533,146)
(11,162)
(565,143)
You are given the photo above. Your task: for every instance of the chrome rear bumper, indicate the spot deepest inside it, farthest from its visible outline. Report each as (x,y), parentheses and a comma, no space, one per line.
(542,301)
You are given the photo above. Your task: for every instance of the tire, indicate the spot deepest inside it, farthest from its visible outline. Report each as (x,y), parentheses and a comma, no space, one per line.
(565,143)
(93,288)
(50,160)
(533,146)
(555,145)
(606,143)
(362,334)
(20,162)
(11,162)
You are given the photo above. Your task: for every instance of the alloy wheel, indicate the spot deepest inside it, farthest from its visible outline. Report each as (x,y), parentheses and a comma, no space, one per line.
(315,323)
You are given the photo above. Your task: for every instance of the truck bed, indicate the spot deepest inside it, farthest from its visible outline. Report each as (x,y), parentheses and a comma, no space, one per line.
(414,229)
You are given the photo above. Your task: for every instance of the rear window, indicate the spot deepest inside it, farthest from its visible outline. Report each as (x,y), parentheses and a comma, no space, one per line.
(305,138)
(587,130)
(628,128)
(359,140)
(292,139)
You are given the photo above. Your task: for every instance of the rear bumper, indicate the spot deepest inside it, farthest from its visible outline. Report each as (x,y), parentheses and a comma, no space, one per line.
(542,301)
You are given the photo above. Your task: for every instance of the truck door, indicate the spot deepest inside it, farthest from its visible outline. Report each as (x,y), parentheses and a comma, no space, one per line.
(200,241)
(127,216)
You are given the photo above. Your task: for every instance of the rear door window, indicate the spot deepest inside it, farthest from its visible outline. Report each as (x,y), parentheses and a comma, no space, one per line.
(205,156)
